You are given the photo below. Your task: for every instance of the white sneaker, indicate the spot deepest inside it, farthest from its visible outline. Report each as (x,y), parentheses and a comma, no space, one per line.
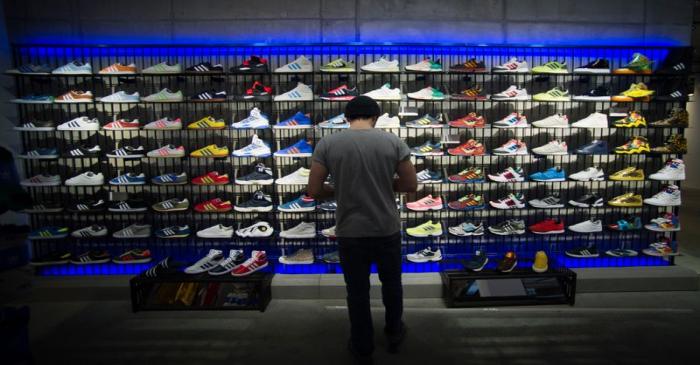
(256,120)
(301,230)
(385,121)
(328,232)
(511,93)
(217,231)
(669,197)
(300,65)
(385,93)
(42,180)
(424,66)
(256,148)
(674,170)
(383,65)
(552,148)
(73,68)
(206,263)
(508,175)
(595,120)
(121,97)
(88,178)
(80,124)
(425,255)
(298,177)
(511,148)
(589,174)
(553,121)
(300,93)
(164,124)
(513,120)
(337,122)
(588,226)
(427,93)
(167,151)
(512,65)
(94,230)
(259,229)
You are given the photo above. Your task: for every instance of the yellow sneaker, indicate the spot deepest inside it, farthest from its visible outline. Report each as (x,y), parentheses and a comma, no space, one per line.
(426,229)
(626,200)
(634,145)
(628,174)
(207,122)
(636,92)
(211,150)
(541,262)
(632,120)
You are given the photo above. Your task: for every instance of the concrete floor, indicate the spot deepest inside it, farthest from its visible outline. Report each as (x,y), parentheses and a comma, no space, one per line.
(614,328)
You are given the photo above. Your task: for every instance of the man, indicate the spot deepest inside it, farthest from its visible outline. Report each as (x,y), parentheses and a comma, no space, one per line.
(363,162)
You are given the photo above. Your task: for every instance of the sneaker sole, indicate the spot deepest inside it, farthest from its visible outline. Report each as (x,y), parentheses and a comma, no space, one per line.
(650,228)
(480,267)
(251,210)
(138,261)
(590,98)
(104,261)
(422,261)
(512,233)
(550,180)
(538,270)
(297,210)
(581,231)
(255,182)
(285,262)
(437,234)
(38,129)
(589,71)
(292,155)
(549,232)
(515,264)
(425,209)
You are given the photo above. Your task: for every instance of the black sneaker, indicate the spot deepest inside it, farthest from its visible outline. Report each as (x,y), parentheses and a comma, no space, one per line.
(477,262)
(677,62)
(599,93)
(84,152)
(88,206)
(205,68)
(260,202)
(37,126)
(395,339)
(587,201)
(257,92)
(53,258)
(127,152)
(583,252)
(128,206)
(599,66)
(210,96)
(261,176)
(164,268)
(45,207)
(672,91)
(92,257)
(253,65)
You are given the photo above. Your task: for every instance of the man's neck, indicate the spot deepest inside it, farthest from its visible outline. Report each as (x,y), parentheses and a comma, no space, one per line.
(361,124)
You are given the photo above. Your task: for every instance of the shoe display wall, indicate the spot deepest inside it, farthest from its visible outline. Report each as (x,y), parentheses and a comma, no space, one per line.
(130,142)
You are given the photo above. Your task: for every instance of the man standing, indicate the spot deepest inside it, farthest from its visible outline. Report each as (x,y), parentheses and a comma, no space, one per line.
(363,162)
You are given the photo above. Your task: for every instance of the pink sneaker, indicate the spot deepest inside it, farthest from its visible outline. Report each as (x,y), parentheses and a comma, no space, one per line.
(427,203)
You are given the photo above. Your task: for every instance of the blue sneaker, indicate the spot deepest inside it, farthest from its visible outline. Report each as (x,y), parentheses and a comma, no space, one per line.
(170,179)
(129,179)
(597,147)
(428,149)
(48,233)
(174,232)
(337,122)
(551,174)
(303,203)
(42,69)
(429,177)
(299,149)
(40,154)
(34,99)
(297,121)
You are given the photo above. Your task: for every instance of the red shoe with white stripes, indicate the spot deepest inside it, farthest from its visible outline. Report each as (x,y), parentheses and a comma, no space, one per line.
(121,125)
(211,178)
(341,93)
(215,205)
(256,262)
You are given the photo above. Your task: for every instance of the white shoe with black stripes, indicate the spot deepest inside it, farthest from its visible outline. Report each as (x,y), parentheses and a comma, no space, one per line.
(206,263)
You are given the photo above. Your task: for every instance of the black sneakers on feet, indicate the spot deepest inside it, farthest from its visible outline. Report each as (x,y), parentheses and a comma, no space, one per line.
(394,340)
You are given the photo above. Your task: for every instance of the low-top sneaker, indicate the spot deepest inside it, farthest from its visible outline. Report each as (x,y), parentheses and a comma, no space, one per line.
(48,233)
(627,223)
(428,176)
(40,154)
(428,149)
(300,65)
(88,178)
(302,148)
(548,226)
(582,252)
(121,97)
(261,175)
(211,178)
(551,174)
(630,173)
(337,122)
(256,262)
(427,93)
(253,65)
(164,96)
(598,93)
(467,229)
(170,179)
(296,121)
(477,262)
(216,205)
(591,200)
(594,120)
(225,266)
(597,66)
(552,148)
(587,226)
(206,263)
(95,230)
(553,121)
(258,229)
(512,147)
(122,125)
(127,152)
(171,205)
(508,227)
(427,229)
(135,230)
(425,255)
(511,93)
(513,65)
(471,147)
(510,174)
(627,200)
(257,92)
(427,121)
(468,175)
(129,179)
(167,151)
(209,96)
(42,180)
(216,231)
(340,93)
(259,202)
(426,65)
(37,126)
(467,203)
(385,93)
(512,201)
(550,201)
(303,230)
(87,206)
(127,206)
(80,124)
(303,203)
(471,120)
(298,177)
(513,120)
(164,124)
(301,92)
(589,174)
(426,203)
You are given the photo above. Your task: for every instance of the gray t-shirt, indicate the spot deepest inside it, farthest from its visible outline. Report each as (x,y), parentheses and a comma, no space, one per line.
(363,163)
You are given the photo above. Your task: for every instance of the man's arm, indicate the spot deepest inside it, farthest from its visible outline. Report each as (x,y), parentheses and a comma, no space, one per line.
(316,188)
(407,181)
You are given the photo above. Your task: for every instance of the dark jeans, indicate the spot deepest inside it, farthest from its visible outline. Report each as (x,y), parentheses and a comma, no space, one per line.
(356,257)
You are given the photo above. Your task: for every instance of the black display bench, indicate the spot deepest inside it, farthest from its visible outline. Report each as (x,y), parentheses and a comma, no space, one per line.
(201,292)
(462,289)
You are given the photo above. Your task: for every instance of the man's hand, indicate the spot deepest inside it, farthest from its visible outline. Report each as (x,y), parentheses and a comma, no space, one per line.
(316,188)
(407,181)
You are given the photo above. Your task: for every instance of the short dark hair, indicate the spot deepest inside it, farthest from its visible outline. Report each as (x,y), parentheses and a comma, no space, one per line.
(362,107)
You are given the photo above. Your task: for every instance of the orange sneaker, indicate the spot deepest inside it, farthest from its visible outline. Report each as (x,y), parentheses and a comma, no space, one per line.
(118,69)
(468,148)
(75,96)
(471,120)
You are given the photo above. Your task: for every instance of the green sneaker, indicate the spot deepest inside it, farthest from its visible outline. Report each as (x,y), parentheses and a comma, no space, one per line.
(162,68)
(552,67)
(555,94)
(164,96)
(338,65)
(640,64)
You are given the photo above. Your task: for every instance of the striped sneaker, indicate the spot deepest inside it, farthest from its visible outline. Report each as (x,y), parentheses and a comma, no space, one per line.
(582,252)
(121,97)
(40,154)
(508,227)
(164,96)
(300,149)
(163,124)
(95,230)
(170,179)
(301,92)
(162,68)
(253,65)
(92,257)
(32,69)
(135,256)
(468,202)
(512,65)
(80,124)
(37,126)
(34,99)
(338,65)
(75,96)
(303,203)
(73,68)
(49,233)
(256,262)
(167,151)
(128,206)
(261,175)
(468,175)
(211,151)
(205,68)
(129,179)
(206,263)
(84,151)
(427,121)
(134,231)
(210,96)
(235,258)
(88,206)
(122,125)
(511,93)
(471,93)
(428,149)
(259,202)
(552,67)
(45,207)
(555,94)
(127,152)
(207,122)
(297,121)
(42,180)
(471,65)
(119,69)
(340,93)
(171,205)
(299,65)
(173,232)
(216,205)
(255,120)
(211,178)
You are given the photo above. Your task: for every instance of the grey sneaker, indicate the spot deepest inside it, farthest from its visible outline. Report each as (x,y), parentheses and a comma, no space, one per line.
(134,231)
(331,258)
(508,227)
(171,205)
(302,256)
(164,96)
(163,68)
(301,230)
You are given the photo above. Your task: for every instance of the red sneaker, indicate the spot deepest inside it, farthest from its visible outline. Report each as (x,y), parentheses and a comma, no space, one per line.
(256,262)
(122,124)
(135,256)
(471,120)
(215,205)
(468,148)
(548,226)
(211,178)
(257,90)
